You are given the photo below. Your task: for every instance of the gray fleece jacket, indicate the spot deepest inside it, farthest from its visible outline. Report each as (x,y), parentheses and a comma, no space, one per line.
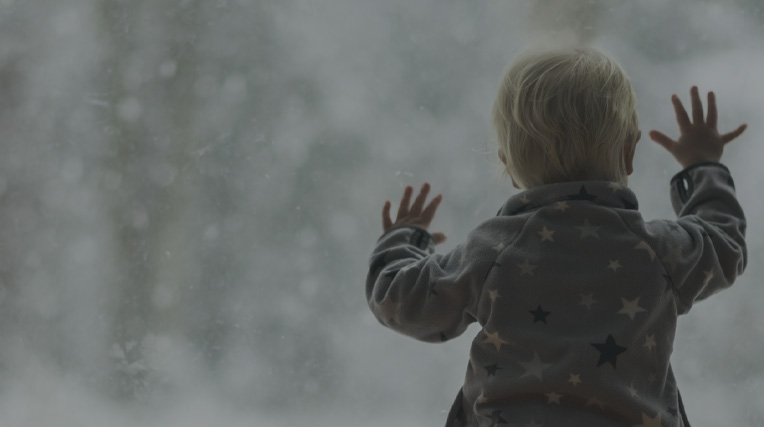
(576,294)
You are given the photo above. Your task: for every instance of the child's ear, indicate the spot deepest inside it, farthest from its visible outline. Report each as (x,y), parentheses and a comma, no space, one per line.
(504,160)
(628,153)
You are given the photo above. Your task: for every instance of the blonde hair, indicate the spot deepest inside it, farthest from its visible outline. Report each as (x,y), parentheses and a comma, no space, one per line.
(565,115)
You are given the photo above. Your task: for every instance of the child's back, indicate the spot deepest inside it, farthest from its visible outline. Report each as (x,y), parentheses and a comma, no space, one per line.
(577,296)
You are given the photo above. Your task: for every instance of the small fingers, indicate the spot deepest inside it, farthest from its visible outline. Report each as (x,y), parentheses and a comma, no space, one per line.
(416,208)
(386,221)
(681,114)
(734,134)
(403,209)
(663,140)
(697,106)
(429,211)
(712,114)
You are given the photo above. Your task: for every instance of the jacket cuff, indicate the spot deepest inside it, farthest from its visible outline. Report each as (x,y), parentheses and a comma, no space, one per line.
(411,235)
(684,184)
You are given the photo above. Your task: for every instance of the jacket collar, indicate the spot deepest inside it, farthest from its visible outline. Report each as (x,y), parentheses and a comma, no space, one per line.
(603,193)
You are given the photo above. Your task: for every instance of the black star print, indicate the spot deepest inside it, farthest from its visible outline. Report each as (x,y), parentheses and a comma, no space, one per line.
(609,351)
(539,315)
(583,195)
(491,369)
(496,418)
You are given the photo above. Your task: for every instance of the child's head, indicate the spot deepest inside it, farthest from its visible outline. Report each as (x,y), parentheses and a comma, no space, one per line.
(566,115)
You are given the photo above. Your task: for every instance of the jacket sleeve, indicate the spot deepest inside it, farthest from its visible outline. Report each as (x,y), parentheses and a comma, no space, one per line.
(430,297)
(704,251)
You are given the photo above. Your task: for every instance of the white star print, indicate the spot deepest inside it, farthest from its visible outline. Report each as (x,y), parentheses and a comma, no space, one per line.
(596,402)
(588,229)
(614,186)
(546,234)
(587,300)
(535,367)
(553,397)
(649,421)
(631,308)
(645,246)
(575,379)
(650,342)
(524,198)
(493,294)
(632,390)
(561,206)
(494,339)
(709,275)
(614,265)
(482,398)
(500,247)
(527,268)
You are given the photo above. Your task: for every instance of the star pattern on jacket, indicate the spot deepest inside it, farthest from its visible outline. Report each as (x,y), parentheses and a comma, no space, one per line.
(594,401)
(553,397)
(546,234)
(650,342)
(526,268)
(539,315)
(490,370)
(609,351)
(588,229)
(587,300)
(583,195)
(495,339)
(632,390)
(535,367)
(631,308)
(502,359)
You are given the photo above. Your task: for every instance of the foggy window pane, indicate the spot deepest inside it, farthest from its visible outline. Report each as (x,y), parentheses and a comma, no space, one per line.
(190,192)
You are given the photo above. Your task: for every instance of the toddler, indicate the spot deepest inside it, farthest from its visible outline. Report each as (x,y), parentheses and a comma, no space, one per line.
(576,295)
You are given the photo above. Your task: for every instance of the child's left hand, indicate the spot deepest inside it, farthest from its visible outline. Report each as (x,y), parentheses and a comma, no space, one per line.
(417,215)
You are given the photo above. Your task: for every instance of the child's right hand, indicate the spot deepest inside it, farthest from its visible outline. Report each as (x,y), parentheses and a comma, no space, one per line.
(699,141)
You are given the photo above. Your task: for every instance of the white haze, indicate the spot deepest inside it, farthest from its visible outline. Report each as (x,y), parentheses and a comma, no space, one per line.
(190,189)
